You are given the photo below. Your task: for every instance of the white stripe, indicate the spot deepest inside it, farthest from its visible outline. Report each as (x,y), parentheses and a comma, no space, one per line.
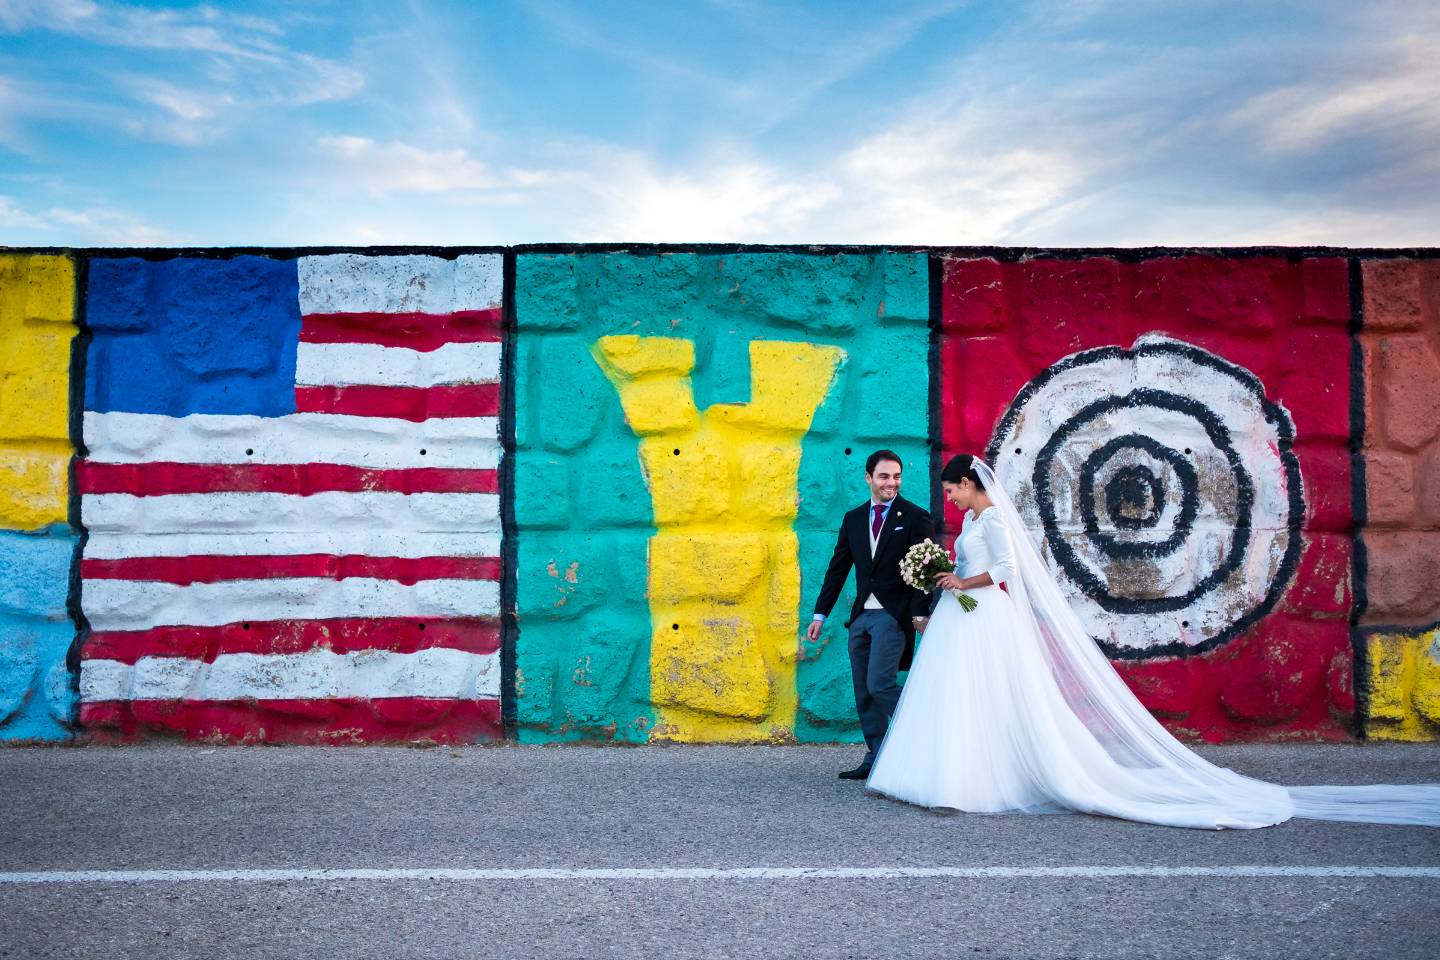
(257,513)
(380,442)
(437,673)
(371,543)
(354,283)
(713,873)
(349,364)
(141,605)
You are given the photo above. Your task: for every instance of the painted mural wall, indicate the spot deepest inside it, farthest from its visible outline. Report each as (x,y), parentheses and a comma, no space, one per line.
(289,491)
(1399,645)
(1177,430)
(689,428)
(578,493)
(37,326)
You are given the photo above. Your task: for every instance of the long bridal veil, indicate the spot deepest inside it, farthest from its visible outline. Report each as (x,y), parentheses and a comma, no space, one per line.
(1170,772)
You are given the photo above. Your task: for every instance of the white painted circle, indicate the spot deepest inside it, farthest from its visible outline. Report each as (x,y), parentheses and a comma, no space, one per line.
(1162,488)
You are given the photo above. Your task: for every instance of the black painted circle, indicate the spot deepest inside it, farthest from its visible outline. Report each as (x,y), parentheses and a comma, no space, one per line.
(1071,563)
(1134,498)
(1189,498)
(1274,415)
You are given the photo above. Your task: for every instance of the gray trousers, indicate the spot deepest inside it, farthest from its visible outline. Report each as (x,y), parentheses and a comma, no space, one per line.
(876,643)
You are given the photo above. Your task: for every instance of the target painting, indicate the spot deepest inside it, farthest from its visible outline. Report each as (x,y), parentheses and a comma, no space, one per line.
(1175,432)
(1164,487)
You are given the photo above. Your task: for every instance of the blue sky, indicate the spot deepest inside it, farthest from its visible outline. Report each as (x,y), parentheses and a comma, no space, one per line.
(1055,122)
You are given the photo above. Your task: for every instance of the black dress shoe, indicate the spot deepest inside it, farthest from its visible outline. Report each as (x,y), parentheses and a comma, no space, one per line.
(859,773)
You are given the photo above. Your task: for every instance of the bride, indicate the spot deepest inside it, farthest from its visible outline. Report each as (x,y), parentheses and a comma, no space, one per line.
(1012,707)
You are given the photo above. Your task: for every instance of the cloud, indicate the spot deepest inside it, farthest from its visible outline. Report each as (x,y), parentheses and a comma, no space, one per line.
(1067,122)
(623,197)
(1381,86)
(813,55)
(360,163)
(59,225)
(954,182)
(1048,136)
(206,70)
(201,29)
(361,190)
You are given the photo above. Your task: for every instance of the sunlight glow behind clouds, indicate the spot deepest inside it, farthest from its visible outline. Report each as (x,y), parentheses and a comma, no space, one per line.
(1047,123)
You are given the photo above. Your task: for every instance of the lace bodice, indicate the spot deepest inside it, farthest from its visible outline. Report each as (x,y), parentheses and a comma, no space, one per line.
(984,547)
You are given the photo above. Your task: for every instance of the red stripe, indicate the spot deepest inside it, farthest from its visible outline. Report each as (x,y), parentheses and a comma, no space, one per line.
(279,637)
(404,403)
(337,721)
(156,479)
(415,331)
(213,569)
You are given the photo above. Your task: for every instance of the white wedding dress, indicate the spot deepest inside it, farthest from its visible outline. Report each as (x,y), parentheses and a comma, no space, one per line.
(1012,707)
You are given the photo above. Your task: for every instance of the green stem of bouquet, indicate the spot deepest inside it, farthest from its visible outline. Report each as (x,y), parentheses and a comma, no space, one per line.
(967,602)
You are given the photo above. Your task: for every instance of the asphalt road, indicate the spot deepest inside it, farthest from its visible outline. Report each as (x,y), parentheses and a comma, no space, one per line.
(512,809)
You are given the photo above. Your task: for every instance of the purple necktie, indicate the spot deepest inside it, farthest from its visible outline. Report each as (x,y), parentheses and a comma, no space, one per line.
(878,522)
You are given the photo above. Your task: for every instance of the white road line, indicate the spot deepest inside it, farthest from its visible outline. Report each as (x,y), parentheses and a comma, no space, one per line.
(711,873)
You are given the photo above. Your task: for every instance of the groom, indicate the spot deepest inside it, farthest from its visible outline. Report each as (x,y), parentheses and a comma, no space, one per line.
(873,539)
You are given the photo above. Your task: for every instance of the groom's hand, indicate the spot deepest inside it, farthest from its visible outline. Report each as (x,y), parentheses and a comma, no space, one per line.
(920,623)
(812,632)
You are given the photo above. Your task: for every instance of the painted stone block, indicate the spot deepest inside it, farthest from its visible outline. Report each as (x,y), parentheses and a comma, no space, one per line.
(293,500)
(1403,695)
(1399,605)
(37,324)
(37,699)
(1173,429)
(735,412)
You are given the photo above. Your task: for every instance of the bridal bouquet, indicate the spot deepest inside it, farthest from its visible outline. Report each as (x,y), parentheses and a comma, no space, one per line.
(923,563)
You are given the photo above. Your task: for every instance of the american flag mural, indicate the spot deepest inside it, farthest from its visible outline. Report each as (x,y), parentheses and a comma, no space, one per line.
(291,500)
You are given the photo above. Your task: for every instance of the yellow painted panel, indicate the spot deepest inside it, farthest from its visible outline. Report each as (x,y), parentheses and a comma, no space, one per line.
(1404,697)
(37,313)
(724,579)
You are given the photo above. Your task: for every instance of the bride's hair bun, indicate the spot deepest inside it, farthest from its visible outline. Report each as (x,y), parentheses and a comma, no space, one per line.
(962,467)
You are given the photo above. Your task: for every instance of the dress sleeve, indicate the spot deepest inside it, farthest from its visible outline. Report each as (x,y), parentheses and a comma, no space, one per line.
(997,542)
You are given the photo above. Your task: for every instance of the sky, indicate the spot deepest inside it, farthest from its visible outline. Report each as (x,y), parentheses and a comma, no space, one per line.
(1044,123)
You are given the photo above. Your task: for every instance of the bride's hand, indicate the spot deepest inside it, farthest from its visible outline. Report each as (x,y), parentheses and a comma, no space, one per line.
(948,581)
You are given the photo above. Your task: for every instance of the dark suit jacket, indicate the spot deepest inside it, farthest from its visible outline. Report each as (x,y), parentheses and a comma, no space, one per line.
(905,525)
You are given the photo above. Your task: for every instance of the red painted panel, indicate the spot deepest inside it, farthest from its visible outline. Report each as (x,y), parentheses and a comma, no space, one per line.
(407,719)
(267,637)
(213,569)
(159,478)
(415,404)
(1282,319)
(415,331)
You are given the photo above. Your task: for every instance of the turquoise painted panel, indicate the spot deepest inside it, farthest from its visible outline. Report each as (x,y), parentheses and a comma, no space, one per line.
(581,502)
(37,701)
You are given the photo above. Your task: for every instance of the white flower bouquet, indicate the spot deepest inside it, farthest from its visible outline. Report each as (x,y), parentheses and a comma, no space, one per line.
(923,563)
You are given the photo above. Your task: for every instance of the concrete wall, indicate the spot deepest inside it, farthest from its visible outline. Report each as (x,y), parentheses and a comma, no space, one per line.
(37,325)
(689,429)
(1177,429)
(1400,646)
(290,493)
(582,493)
